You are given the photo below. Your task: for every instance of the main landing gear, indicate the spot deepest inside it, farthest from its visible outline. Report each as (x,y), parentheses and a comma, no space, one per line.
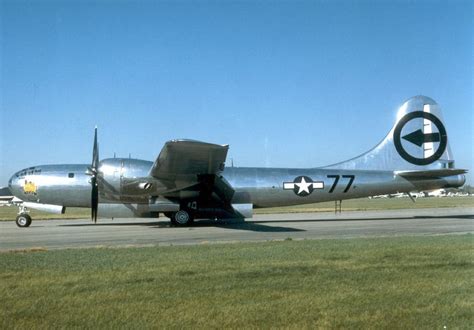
(181,218)
(23,219)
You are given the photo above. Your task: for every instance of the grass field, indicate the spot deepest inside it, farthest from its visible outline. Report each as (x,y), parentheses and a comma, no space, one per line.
(409,282)
(9,213)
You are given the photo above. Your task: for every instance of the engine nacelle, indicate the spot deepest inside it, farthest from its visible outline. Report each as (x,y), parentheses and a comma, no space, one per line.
(245,210)
(125,177)
(56,209)
(127,210)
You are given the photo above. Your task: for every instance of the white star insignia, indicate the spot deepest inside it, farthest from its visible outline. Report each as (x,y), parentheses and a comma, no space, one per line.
(303,186)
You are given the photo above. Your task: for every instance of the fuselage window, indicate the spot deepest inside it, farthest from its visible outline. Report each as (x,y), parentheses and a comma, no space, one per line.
(70,175)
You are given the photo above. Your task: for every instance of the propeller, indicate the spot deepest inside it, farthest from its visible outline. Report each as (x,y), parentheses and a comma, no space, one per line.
(93,173)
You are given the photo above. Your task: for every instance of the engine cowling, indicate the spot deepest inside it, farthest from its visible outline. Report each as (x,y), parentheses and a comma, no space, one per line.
(56,209)
(125,177)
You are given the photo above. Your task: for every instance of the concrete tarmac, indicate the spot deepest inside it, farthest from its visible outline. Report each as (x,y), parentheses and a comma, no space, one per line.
(62,234)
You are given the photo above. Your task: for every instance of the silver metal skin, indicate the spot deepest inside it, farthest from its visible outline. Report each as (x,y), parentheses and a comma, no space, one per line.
(187,175)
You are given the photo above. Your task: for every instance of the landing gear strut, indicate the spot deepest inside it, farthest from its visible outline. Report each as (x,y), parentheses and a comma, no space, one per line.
(23,219)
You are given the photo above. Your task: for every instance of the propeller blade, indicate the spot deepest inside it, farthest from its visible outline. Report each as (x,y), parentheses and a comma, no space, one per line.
(93,172)
(94,199)
(95,152)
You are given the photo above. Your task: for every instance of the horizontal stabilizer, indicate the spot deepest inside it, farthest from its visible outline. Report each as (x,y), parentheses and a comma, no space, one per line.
(431,173)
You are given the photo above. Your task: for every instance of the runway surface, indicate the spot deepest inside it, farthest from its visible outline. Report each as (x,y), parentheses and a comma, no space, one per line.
(60,234)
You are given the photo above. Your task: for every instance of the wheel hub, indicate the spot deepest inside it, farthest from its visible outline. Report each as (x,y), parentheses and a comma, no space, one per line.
(182,217)
(22,221)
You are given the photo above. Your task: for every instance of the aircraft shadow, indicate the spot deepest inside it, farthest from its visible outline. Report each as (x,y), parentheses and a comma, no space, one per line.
(118,224)
(466,216)
(250,226)
(257,226)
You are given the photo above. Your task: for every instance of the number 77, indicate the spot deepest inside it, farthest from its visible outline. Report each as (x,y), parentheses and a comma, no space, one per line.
(336,180)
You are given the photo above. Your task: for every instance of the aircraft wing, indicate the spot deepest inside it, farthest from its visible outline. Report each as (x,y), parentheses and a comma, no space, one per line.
(180,159)
(188,165)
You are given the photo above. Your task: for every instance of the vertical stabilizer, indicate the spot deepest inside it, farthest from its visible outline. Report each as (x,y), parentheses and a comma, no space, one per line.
(417,141)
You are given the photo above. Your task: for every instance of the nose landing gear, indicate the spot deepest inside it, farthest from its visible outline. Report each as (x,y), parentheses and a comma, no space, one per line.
(23,219)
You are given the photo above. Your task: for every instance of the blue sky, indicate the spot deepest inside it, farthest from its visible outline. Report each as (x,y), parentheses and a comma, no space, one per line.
(286,84)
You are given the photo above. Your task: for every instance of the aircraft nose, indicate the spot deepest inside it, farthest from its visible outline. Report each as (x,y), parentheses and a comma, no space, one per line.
(14,184)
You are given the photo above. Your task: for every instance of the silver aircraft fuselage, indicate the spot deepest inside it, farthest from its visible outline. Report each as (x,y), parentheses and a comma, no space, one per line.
(69,185)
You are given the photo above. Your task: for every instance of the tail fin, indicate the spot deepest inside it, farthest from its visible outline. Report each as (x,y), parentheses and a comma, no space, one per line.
(417,141)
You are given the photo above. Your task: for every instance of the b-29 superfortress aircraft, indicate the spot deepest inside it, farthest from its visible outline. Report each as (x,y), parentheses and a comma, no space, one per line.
(189,181)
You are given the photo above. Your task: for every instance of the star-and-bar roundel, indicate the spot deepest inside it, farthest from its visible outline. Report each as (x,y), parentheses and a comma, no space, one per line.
(303,185)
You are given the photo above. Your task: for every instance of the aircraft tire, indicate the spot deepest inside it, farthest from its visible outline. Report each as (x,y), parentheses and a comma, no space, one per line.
(23,220)
(182,218)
